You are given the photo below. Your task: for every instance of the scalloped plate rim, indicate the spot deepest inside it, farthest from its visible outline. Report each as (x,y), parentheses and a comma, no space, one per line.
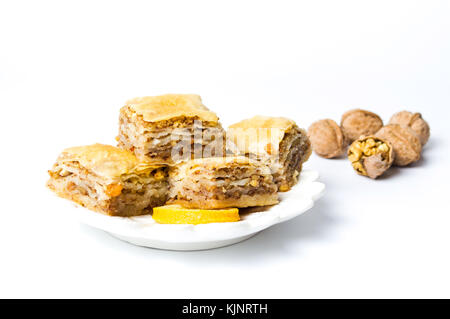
(139,229)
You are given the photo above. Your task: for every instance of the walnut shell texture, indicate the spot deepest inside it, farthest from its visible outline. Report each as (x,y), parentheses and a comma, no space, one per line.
(356,123)
(414,121)
(371,156)
(326,138)
(404,140)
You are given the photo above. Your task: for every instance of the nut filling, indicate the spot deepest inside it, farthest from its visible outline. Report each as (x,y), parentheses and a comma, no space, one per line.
(370,156)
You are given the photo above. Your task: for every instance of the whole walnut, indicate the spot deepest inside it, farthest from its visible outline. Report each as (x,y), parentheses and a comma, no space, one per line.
(404,140)
(371,156)
(326,138)
(414,121)
(356,123)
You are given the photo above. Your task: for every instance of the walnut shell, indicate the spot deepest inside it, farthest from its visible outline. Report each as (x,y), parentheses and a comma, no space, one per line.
(404,140)
(414,121)
(356,123)
(371,156)
(326,138)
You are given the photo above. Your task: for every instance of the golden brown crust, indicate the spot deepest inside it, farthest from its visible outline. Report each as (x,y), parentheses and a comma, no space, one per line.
(243,201)
(260,121)
(168,106)
(104,160)
(260,134)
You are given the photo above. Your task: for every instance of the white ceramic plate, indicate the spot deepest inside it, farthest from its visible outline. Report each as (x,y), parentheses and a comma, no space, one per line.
(144,231)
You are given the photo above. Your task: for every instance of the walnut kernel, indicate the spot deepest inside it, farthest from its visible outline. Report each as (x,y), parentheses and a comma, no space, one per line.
(414,121)
(326,138)
(356,123)
(370,156)
(405,142)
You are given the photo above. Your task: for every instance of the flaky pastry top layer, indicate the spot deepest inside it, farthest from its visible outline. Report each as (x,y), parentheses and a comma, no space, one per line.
(260,121)
(105,160)
(259,134)
(212,163)
(169,106)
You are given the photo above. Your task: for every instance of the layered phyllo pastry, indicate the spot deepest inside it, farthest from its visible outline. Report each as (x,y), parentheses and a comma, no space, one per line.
(170,128)
(276,141)
(109,180)
(221,182)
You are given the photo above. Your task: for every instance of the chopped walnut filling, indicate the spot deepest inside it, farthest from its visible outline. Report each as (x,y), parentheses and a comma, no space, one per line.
(370,156)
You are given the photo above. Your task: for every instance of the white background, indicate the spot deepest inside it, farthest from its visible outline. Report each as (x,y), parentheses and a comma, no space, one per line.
(67,67)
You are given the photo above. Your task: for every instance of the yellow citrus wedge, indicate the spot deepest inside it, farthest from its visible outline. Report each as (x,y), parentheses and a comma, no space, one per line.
(176,214)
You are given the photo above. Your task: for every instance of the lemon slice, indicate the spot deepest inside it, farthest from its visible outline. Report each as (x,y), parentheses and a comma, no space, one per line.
(176,214)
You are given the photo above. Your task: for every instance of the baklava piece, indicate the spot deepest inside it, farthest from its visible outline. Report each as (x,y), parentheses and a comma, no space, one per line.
(221,182)
(278,142)
(170,128)
(109,180)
